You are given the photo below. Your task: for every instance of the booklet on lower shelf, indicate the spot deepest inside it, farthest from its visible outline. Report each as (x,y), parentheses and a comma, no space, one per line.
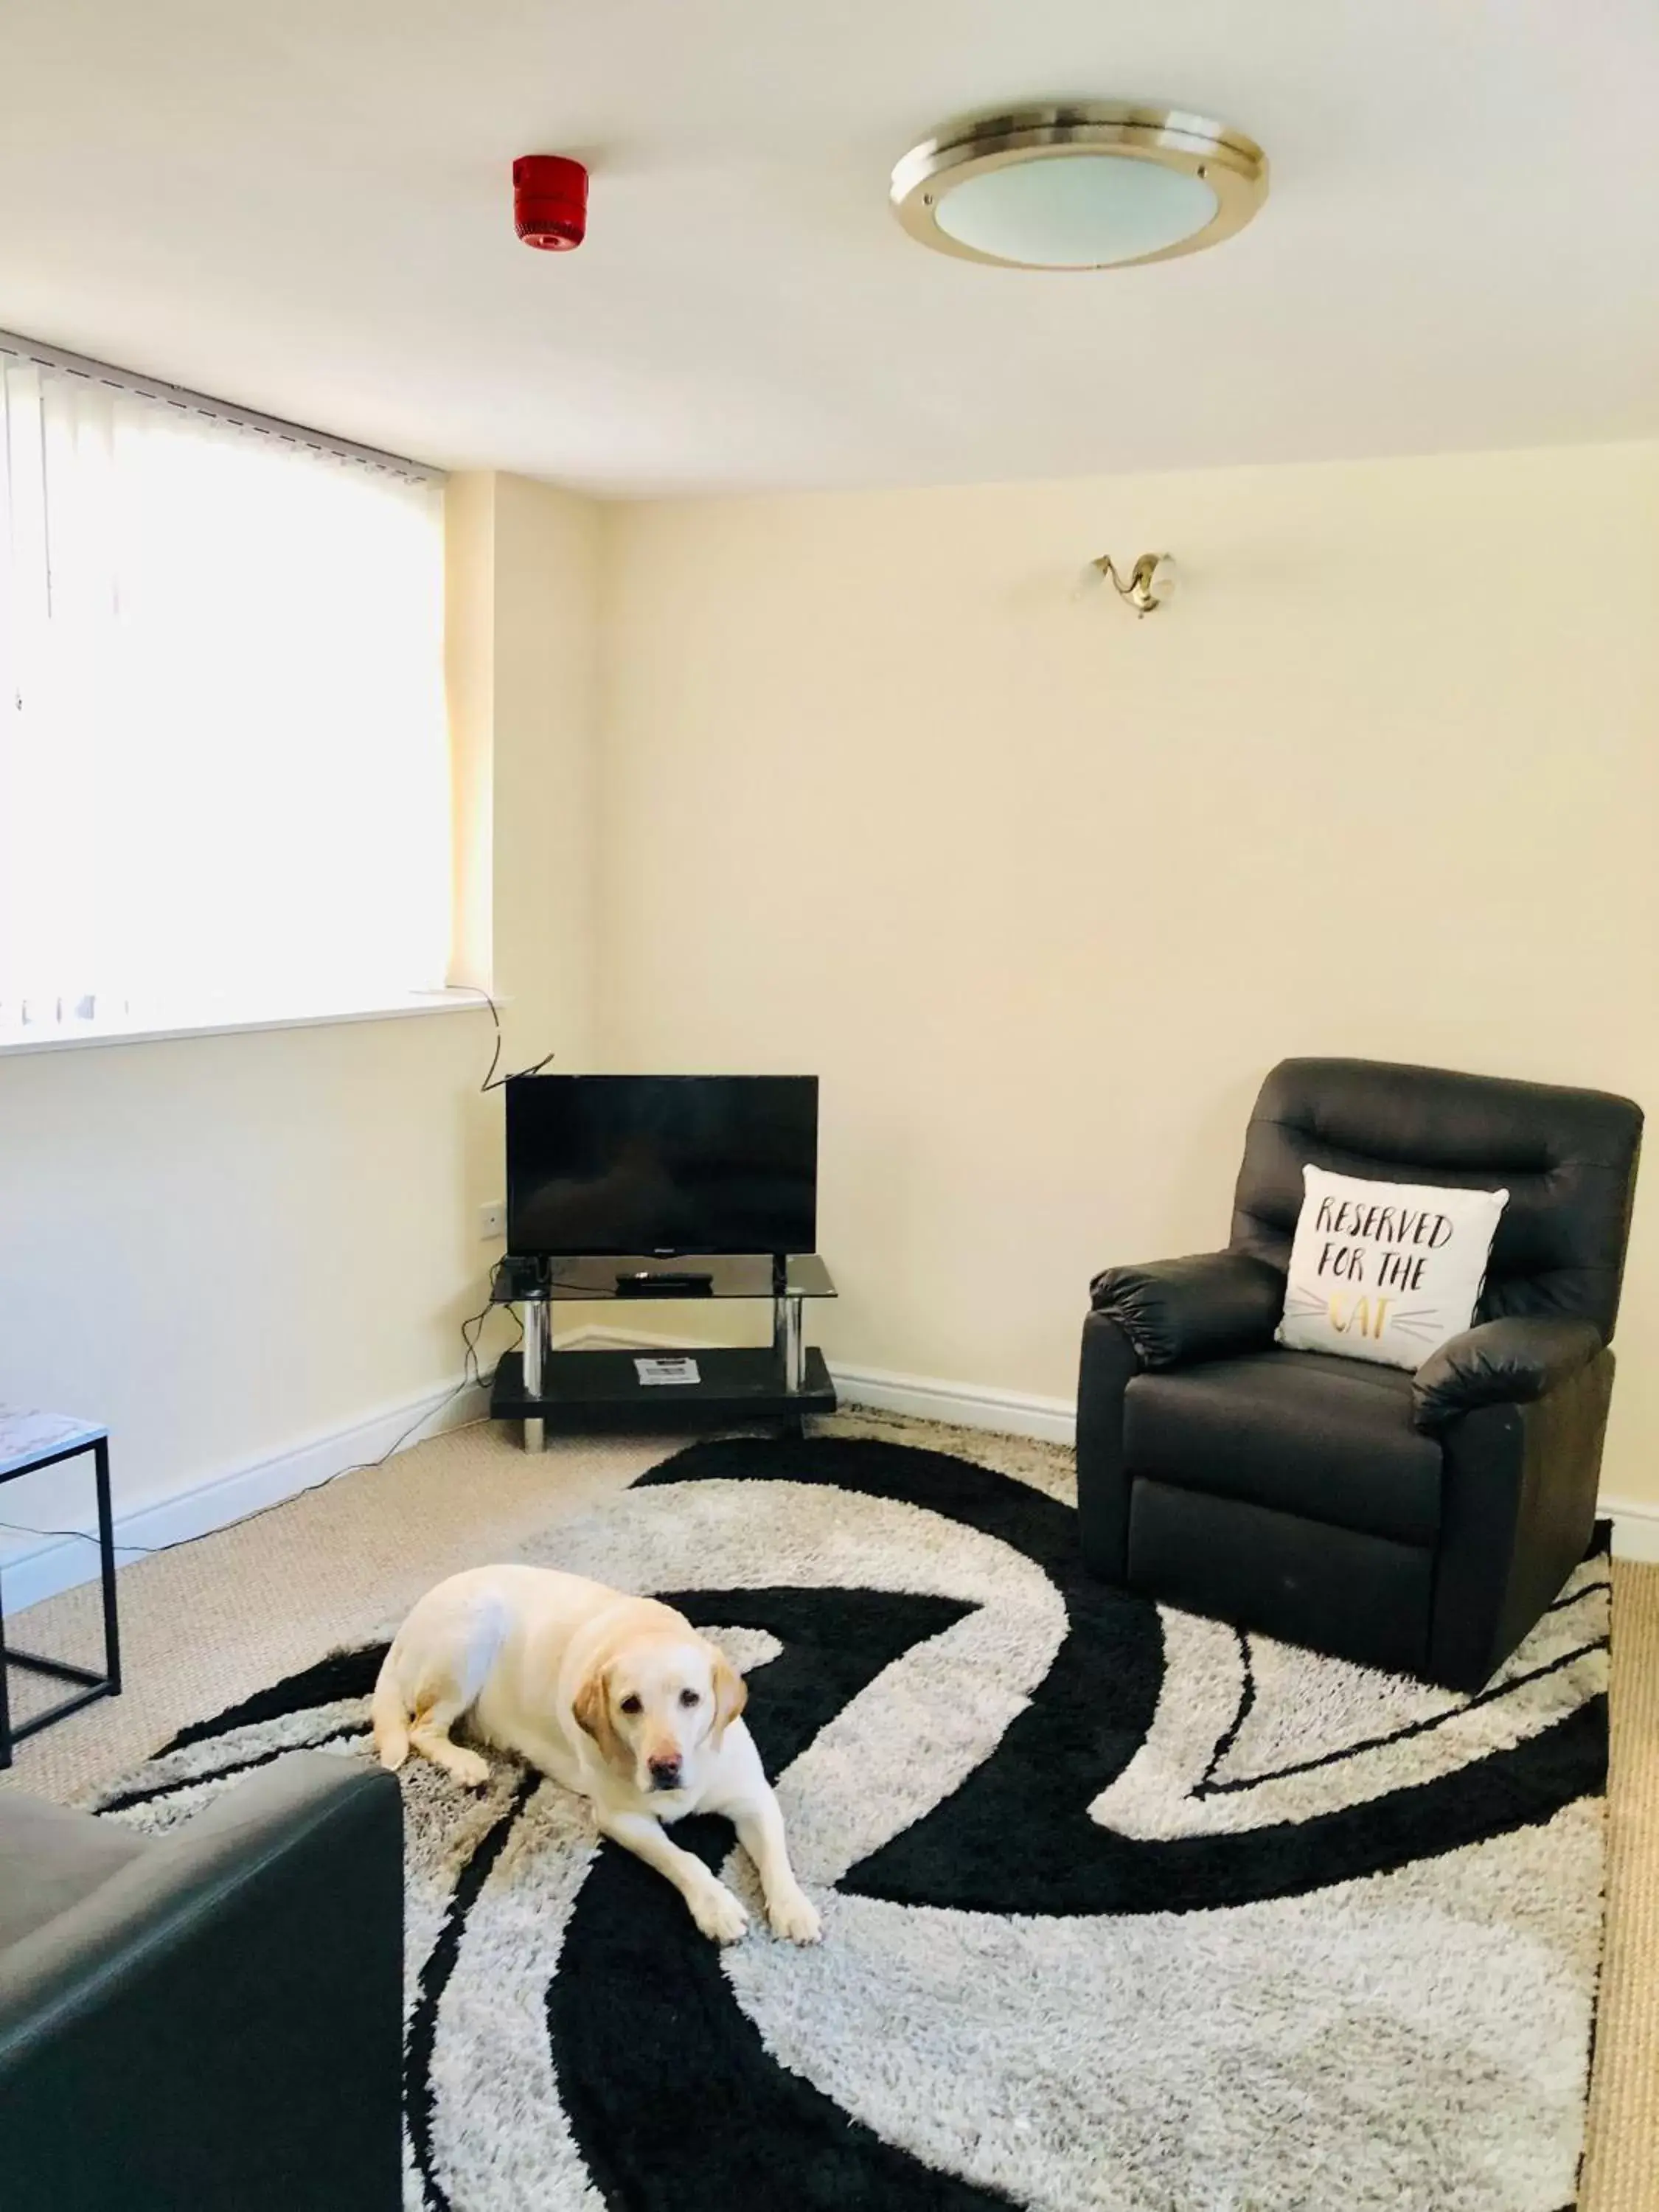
(667,1371)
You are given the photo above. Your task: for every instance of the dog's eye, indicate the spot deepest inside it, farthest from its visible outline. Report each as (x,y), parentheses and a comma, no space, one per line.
(689,1698)
(630,1704)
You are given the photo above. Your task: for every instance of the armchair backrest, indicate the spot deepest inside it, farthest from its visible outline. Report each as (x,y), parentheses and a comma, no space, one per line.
(1567,1158)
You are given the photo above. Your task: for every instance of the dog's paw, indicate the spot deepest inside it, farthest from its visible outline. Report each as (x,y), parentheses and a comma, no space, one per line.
(794,1914)
(719,1914)
(468,1768)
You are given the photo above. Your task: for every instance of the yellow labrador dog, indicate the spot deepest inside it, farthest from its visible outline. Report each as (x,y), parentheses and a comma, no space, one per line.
(618,1698)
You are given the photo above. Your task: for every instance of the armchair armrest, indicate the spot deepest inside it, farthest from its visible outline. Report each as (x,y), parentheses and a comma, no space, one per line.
(1508,1362)
(220,2023)
(1200,1308)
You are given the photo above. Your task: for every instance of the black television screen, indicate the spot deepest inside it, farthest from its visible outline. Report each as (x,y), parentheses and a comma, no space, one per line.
(662,1164)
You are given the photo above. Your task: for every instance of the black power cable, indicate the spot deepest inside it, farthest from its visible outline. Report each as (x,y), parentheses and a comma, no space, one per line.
(492,1081)
(471,1376)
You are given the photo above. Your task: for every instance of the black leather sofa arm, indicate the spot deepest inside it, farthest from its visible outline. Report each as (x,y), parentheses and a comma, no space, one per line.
(219,2024)
(1200,1308)
(1499,1363)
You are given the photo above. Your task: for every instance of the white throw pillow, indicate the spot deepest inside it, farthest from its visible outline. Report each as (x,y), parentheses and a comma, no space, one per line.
(1385,1270)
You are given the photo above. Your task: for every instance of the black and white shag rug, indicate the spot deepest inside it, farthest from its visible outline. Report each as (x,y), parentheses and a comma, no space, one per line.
(1124,1910)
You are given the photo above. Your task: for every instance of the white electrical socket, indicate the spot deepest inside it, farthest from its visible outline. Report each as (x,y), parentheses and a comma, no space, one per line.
(492,1220)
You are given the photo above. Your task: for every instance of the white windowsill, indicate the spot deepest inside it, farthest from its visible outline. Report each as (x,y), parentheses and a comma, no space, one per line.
(77,1036)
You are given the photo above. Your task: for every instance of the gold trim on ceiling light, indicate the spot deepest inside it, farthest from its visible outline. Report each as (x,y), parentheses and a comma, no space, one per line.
(1234,167)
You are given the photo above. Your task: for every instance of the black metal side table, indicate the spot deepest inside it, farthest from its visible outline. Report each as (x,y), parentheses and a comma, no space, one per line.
(28,1442)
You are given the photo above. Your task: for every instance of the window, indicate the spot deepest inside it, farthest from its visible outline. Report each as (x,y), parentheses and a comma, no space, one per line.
(224,776)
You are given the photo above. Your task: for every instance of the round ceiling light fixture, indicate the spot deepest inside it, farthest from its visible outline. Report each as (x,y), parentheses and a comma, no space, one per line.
(1087,184)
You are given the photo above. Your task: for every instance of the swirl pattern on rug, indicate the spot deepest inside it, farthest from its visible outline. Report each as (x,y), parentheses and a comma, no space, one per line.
(1124,1910)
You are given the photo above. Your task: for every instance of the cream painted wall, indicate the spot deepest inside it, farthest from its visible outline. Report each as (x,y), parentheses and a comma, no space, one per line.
(546,705)
(470,702)
(225,1246)
(542,673)
(522,662)
(229,1245)
(887,792)
(891,793)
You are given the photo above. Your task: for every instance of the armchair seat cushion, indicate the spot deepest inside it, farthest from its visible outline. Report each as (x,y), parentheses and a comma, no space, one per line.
(1329,1440)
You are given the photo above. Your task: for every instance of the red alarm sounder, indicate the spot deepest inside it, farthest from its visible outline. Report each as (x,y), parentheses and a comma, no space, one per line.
(549,201)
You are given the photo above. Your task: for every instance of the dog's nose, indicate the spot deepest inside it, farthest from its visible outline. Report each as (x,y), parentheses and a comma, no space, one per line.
(665,1773)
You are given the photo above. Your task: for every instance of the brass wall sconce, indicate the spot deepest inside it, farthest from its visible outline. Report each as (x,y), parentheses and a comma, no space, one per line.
(1151,582)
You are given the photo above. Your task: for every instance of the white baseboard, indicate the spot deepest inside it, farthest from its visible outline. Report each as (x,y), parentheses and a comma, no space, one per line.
(1053,1420)
(1635,1529)
(964,1405)
(31,1576)
(40,1573)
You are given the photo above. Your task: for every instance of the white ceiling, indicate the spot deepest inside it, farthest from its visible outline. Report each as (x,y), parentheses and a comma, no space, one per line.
(305,205)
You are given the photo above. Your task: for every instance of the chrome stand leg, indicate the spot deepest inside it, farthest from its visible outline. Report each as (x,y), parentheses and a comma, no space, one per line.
(789,1343)
(532,1313)
(535,1315)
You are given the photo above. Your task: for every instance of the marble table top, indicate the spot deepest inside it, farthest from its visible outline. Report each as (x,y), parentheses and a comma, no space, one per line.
(28,1438)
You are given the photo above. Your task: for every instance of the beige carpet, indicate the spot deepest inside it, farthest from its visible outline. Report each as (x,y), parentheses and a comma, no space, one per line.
(213,1621)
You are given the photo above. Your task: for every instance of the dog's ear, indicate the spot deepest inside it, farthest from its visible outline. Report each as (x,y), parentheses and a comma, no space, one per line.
(730,1694)
(590,1710)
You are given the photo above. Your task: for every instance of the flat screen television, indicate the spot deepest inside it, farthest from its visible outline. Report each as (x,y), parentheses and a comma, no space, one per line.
(661,1163)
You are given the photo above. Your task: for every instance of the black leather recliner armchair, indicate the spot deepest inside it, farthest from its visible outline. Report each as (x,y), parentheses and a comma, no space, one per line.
(1419,1522)
(211,2021)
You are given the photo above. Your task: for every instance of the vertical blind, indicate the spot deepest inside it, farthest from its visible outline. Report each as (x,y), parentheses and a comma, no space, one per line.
(224,776)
